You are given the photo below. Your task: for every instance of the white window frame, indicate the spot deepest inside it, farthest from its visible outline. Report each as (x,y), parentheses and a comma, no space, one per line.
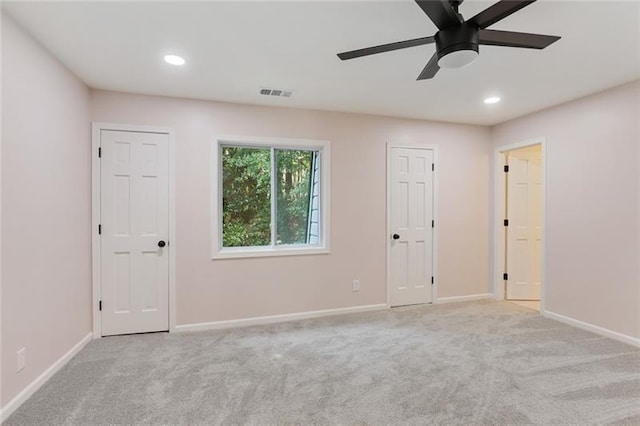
(324,155)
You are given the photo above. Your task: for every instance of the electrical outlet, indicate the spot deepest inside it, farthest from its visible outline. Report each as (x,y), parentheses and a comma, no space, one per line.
(356,285)
(22,359)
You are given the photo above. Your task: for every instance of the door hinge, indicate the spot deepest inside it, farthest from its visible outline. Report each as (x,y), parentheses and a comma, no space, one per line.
(433,223)
(433,167)
(506,168)
(99,152)
(99,229)
(100,305)
(431,280)
(506,222)
(505,276)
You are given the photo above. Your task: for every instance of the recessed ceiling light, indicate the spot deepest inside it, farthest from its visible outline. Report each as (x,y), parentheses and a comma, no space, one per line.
(174,60)
(492,100)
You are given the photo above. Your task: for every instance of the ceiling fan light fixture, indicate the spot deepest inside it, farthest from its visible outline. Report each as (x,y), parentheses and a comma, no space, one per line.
(457,47)
(458,58)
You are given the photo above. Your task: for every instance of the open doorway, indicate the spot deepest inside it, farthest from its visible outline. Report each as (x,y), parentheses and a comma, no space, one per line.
(521,205)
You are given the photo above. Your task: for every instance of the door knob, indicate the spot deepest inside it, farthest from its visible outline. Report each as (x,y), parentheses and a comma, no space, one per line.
(396,236)
(161,244)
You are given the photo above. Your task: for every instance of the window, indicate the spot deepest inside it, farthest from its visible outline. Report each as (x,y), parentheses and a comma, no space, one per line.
(270,197)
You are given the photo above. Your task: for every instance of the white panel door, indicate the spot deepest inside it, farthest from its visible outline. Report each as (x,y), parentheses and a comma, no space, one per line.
(524,233)
(411,238)
(134,215)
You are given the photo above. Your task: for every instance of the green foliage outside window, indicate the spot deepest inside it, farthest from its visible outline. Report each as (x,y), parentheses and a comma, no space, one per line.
(246,196)
(293,184)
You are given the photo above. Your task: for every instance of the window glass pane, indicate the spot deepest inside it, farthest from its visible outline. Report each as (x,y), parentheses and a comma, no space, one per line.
(246,197)
(296,180)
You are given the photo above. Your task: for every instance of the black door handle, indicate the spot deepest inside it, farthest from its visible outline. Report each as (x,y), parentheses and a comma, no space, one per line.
(396,237)
(161,244)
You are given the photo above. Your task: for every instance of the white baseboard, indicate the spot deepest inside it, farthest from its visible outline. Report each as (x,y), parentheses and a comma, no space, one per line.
(464,298)
(633,341)
(218,325)
(32,387)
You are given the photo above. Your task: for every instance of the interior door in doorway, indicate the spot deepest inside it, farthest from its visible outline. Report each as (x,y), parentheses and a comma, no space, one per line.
(524,233)
(411,216)
(134,215)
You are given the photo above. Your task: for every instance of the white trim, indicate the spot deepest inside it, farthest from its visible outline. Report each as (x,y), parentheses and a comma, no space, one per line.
(96,128)
(498,228)
(633,341)
(434,251)
(466,298)
(32,387)
(324,149)
(248,252)
(499,209)
(95,221)
(278,143)
(172,232)
(273,201)
(271,319)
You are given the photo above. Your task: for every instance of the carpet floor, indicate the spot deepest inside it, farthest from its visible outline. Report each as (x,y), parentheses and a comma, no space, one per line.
(470,363)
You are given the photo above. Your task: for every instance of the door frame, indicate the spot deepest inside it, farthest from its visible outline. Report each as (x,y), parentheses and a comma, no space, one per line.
(434,242)
(96,128)
(499,235)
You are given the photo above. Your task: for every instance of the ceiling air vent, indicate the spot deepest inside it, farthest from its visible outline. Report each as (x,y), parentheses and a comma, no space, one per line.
(282,93)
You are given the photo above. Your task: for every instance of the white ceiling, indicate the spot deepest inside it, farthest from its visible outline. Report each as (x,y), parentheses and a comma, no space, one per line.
(234,48)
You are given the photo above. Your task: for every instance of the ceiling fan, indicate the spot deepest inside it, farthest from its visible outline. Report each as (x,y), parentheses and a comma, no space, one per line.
(457,40)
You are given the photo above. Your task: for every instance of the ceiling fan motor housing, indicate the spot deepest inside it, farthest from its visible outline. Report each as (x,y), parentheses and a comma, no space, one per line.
(453,39)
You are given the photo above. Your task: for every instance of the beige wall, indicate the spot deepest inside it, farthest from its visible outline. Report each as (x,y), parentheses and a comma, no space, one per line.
(592,206)
(210,290)
(46,209)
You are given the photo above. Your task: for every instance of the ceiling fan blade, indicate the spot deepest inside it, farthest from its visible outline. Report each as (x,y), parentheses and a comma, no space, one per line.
(431,69)
(385,48)
(440,12)
(514,39)
(498,11)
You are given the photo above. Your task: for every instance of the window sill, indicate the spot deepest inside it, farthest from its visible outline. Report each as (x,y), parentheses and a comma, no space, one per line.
(246,253)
